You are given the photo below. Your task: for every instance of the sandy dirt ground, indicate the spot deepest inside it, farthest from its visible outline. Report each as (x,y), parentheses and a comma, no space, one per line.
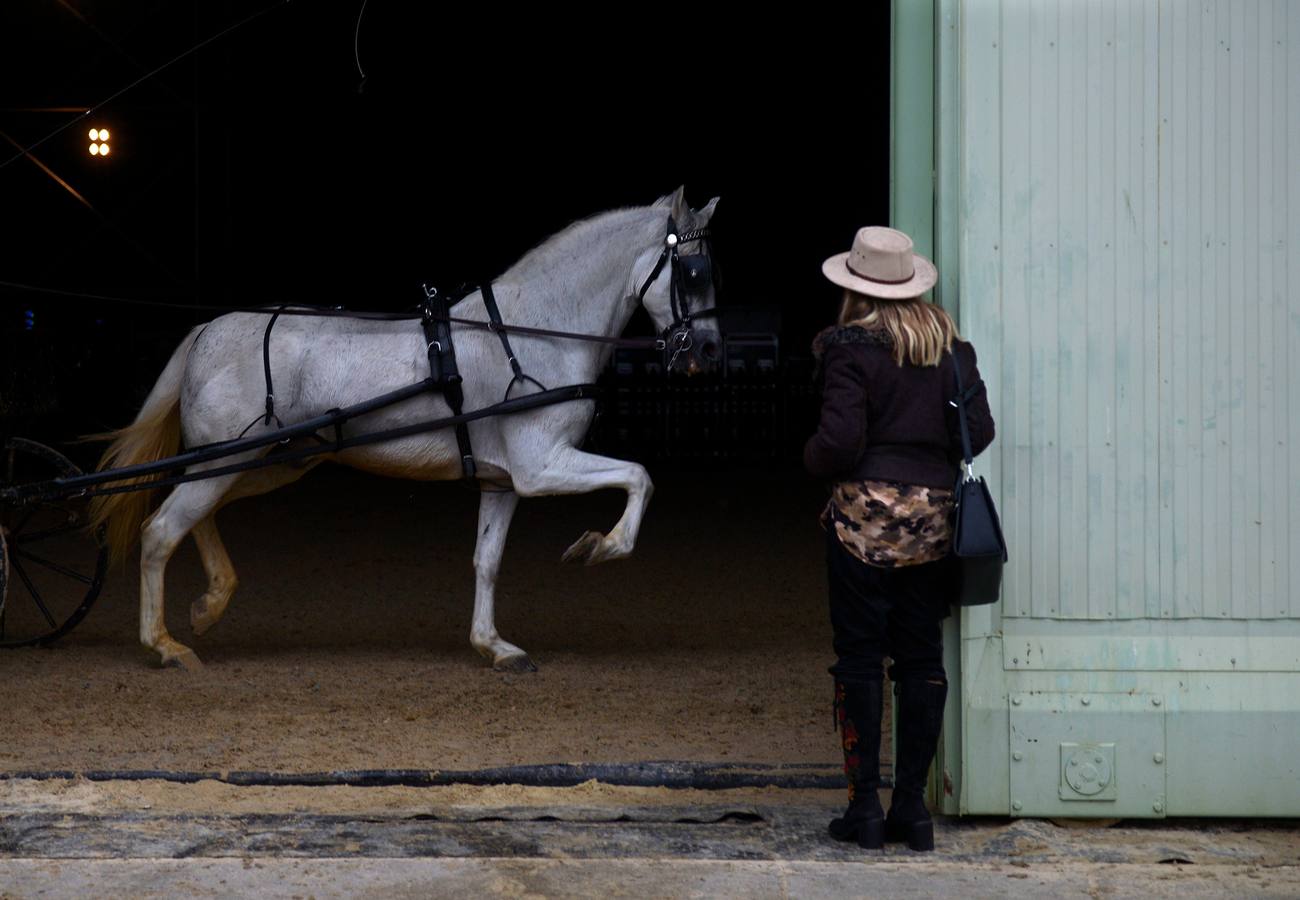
(161,798)
(346,645)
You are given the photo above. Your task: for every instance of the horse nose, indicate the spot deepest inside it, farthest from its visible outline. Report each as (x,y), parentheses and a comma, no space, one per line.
(710,348)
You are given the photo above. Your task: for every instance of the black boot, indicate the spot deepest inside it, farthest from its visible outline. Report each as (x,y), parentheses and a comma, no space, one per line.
(858,711)
(920,717)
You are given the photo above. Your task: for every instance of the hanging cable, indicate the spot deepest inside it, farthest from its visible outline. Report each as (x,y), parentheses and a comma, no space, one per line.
(356,45)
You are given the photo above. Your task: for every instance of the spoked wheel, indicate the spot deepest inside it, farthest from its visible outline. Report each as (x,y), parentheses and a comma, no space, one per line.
(51,567)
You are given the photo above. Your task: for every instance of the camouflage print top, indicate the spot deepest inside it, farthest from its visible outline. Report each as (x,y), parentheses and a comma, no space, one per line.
(887,524)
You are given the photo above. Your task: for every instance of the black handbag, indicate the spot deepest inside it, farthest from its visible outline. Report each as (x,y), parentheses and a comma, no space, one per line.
(977,540)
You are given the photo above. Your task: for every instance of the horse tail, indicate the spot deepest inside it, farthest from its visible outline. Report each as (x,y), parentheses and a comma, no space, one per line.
(155,434)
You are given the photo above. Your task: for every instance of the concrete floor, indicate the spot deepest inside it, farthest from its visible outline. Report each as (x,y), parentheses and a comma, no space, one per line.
(207,840)
(494,877)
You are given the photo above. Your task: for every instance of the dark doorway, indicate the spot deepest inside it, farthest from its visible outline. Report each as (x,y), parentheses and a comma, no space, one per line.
(264,167)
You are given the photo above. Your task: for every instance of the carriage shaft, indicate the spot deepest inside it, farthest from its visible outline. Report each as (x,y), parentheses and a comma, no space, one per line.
(91,483)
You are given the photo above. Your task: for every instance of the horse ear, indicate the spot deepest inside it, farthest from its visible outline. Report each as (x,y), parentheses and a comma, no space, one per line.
(676,198)
(680,211)
(703,216)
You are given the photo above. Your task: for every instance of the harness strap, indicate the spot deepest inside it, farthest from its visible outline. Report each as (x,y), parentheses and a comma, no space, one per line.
(498,326)
(676,298)
(634,343)
(442,369)
(338,428)
(654,273)
(266,368)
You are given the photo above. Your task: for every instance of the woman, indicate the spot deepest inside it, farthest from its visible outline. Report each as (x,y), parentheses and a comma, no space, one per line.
(889,441)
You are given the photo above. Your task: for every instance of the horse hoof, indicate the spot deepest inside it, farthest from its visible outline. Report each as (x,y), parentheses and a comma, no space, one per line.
(584,548)
(185,658)
(518,665)
(200,619)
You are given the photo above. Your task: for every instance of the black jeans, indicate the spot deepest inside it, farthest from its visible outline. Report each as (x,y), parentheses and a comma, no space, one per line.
(878,612)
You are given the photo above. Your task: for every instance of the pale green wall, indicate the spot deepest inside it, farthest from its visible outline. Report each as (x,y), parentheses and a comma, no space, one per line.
(1116,217)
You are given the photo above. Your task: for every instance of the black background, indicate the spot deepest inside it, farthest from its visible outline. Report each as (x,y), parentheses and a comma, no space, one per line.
(264,168)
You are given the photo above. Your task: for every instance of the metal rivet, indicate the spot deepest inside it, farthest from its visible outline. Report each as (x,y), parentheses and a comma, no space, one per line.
(1159,758)
(1015,804)
(1087,701)
(1155,701)
(1158,806)
(1015,701)
(1017,756)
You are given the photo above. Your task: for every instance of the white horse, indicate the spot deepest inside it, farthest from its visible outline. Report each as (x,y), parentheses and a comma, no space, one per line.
(585,279)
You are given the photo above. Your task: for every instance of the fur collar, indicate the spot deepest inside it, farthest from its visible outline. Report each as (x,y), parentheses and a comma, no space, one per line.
(849,334)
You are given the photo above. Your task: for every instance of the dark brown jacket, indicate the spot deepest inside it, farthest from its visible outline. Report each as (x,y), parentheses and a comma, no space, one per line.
(880,420)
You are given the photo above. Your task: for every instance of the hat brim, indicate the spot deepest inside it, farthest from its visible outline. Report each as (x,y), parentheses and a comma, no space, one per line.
(924,277)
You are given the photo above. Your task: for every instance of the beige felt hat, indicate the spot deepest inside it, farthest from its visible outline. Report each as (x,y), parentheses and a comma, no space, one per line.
(882,264)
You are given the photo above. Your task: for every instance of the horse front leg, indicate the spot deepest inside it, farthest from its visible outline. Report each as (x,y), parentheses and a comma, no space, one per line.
(571,471)
(495,510)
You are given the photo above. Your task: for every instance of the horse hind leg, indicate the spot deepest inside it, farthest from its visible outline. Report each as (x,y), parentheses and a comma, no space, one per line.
(188,505)
(222,580)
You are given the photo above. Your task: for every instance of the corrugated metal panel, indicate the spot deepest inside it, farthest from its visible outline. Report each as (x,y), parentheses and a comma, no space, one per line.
(1130,273)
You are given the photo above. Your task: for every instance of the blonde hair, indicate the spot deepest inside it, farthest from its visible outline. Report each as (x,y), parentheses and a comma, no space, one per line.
(921,332)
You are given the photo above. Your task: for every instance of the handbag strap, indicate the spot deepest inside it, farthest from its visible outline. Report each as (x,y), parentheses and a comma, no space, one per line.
(960,402)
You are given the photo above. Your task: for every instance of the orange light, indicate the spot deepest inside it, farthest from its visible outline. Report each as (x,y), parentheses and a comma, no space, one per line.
(94,149)
(103,149)
(94,134)
(103,134)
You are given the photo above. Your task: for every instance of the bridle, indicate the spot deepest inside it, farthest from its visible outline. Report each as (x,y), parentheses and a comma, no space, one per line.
(688,275)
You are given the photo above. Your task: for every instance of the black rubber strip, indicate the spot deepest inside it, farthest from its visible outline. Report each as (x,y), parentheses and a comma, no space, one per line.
(701,776)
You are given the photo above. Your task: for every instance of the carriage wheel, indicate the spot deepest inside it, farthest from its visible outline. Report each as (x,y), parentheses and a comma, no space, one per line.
(51,568)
